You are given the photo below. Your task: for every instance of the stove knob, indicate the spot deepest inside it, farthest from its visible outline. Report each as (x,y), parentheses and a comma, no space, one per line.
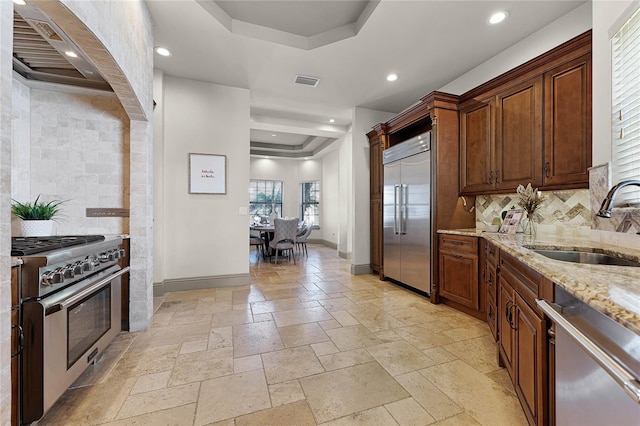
(68,272)
(103,257)
(116,254)
(53,277)
(111,256)
(88,264)
(78,268)
(122,253)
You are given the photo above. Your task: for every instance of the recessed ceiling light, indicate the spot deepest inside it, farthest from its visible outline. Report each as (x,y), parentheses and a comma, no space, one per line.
(332,121)
(163,51)
(392,77)
(71,54)
(498,17)
(266,156)
(306,158)
(274,135)
(20,2)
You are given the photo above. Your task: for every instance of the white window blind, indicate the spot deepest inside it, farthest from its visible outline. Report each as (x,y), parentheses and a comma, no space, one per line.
(626,108)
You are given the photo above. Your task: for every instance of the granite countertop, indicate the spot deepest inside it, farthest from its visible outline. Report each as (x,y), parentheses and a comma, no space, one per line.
(612,290)
(15,261)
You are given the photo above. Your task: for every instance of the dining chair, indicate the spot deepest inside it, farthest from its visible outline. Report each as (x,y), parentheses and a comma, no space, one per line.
(301,238)
(255,240)
(284,237)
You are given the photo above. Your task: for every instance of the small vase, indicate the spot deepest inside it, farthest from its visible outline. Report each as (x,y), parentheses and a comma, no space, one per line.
(529,227)
(36,228)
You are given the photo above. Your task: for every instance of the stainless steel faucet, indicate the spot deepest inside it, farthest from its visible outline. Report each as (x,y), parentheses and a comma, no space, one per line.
(607,203)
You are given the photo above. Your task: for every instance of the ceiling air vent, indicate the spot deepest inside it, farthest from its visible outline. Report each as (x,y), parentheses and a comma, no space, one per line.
(307,81)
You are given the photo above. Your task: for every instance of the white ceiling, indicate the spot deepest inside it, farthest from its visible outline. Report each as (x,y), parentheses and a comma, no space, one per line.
(250,44)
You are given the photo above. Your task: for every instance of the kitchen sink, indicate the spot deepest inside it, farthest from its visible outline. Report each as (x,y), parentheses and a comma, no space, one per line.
(585,257)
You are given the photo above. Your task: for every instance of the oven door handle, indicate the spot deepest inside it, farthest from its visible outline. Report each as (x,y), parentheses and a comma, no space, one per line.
(79,296)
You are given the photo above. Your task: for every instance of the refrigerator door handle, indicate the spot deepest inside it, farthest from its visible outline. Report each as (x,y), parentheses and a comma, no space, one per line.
(395,209)
(404,191)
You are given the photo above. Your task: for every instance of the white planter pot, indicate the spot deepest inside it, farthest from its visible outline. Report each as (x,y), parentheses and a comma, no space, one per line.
(36,228)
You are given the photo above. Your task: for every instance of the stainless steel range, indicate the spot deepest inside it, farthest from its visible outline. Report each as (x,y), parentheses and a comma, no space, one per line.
(70,300)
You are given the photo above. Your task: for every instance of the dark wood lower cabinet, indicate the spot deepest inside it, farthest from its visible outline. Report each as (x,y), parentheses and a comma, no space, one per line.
(458,274)
(15,346)
(523,341)
(124,262)
(530,366)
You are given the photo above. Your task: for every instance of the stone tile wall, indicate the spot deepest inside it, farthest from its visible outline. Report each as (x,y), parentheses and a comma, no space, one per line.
(79,152)
(6,89)
(20,140)
(563,212)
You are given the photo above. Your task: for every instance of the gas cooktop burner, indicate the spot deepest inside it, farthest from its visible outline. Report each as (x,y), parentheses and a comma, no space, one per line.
(25,246)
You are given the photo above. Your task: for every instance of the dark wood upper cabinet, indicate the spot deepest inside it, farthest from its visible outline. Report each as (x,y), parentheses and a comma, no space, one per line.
(567,139)
(530,125)
(518,139)
(476,142)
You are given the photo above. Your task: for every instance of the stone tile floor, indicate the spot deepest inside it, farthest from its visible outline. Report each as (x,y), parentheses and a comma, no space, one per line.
(304,344)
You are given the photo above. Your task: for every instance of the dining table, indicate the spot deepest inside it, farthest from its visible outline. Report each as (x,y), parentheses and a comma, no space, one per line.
(268,231)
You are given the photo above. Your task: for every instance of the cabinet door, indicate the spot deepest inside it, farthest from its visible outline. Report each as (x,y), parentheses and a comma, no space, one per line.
(567,144)
(476,173)
(530,378)
(518,136)
(376,235)
(459,277)
(506,328)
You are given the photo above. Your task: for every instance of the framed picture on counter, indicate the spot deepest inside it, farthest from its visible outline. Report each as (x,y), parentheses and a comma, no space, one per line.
(207,173)
(511,221)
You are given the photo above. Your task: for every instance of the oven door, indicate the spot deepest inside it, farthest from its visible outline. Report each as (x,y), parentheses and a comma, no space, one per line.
(64,333)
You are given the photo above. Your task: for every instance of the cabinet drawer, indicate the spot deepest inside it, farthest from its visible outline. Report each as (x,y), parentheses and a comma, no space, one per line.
(459,243)
(491,278)
(492,254)
(526,281)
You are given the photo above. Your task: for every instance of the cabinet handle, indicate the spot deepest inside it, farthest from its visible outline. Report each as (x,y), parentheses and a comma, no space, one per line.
(497,176)
(546,170)
(458,243)
(20,341)
(490,176)
(509,314)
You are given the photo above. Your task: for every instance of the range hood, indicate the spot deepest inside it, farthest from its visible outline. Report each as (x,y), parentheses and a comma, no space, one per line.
(40,52)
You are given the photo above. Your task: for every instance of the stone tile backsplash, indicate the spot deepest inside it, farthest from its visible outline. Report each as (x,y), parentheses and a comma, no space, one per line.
(566,211)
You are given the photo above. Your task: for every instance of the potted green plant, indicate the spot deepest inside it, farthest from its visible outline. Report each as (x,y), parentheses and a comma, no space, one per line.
(37,217)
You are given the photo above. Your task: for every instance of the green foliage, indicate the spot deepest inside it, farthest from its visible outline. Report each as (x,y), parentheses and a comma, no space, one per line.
(36,211)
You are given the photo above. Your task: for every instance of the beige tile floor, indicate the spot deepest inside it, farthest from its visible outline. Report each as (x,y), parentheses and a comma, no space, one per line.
(304,344)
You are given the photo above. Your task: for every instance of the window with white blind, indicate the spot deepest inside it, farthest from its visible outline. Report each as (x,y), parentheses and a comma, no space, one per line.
(310,203)
(625,118)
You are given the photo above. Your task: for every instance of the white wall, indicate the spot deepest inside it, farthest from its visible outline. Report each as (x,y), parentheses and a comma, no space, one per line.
(205,235)
(562,29)
(363,121)
(330,220)
(345,197)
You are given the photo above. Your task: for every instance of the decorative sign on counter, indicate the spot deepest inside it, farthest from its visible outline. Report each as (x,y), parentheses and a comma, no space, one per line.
(207,174)
(511,221)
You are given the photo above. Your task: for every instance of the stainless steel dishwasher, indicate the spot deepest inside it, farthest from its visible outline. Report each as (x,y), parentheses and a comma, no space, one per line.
(597,365)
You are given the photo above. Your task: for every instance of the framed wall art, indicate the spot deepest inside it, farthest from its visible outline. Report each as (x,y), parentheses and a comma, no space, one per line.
(207,174)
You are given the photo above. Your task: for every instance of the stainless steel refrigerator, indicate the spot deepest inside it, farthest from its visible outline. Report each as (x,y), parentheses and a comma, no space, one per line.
(407,212)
